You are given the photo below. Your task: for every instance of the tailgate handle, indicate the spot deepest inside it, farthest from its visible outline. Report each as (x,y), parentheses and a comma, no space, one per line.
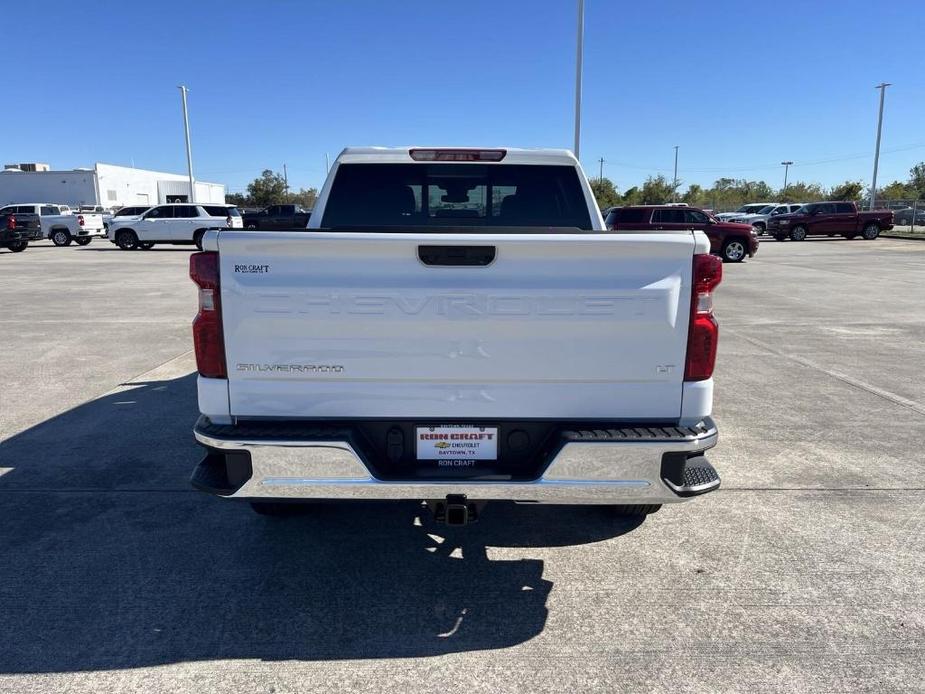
(455,256)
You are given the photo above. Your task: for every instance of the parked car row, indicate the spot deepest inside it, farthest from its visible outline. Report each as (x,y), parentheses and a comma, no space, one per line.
(59,223)
(830,219)
(143,226)
(736,237)
(826,218)
(759,217)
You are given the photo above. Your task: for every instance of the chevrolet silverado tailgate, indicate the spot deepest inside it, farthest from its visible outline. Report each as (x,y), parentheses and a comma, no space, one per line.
(455,325)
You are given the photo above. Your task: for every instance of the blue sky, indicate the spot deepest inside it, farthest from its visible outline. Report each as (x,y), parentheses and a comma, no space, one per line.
(739,86)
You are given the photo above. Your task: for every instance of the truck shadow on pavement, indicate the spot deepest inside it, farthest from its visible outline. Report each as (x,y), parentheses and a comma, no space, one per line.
(108,559)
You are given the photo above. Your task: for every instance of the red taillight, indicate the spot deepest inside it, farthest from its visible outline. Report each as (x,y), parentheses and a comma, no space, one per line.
(457,154)
(11,222)
(703,333)
(207,326)
(80,220)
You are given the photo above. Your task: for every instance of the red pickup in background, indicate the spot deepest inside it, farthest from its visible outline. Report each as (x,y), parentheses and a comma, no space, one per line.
(830,219)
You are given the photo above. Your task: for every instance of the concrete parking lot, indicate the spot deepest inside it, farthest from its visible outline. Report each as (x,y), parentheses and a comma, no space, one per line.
(803,573)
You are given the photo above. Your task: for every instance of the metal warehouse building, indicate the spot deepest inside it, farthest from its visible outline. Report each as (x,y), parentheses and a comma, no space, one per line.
(105,184)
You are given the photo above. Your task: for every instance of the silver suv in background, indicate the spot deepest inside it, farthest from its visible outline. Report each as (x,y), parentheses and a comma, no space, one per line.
(750,208)
(759,219)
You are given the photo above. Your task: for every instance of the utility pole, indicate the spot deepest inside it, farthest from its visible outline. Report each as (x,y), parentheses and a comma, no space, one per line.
(580,48)
(286,178)
(873,185)
(189,150)
(600,178)
(786,165)
(674,194)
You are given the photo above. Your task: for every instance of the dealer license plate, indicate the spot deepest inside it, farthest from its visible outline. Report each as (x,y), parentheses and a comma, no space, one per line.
(457,442)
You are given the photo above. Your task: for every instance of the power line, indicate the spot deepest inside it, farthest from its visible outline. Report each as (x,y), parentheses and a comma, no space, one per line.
(768,167)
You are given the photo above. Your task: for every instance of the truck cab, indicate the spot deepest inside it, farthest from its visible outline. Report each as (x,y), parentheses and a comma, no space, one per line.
(276,217)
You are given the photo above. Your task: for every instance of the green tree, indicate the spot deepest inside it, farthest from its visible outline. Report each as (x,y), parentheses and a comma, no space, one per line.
(632,196)
(605,192)
(849,190)
(725,195)
(238,199)
(695,195)
(897,190)
(268,189)
(917,179)
(801,192)
(305,197)
(656,191)
(760,191)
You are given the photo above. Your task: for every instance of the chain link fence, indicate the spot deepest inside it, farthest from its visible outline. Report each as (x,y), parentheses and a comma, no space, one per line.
(906,213)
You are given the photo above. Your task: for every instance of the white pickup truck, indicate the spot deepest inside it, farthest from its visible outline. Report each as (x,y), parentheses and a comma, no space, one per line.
(60,224)
(456,326)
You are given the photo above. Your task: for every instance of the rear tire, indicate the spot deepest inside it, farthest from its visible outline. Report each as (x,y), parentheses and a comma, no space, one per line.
(871,231)
(798,233)
(636,509)
(760,228)
(278,510)
(83,240)
(61,237)
(734,250)
(19,246)
(127,240)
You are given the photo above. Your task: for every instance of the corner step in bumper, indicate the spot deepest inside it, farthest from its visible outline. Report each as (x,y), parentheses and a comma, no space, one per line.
(692,477)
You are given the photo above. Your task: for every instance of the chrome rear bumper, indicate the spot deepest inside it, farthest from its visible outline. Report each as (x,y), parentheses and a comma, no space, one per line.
(637,465)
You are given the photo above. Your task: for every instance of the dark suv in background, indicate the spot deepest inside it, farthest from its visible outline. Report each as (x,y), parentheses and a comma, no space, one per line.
(729,240)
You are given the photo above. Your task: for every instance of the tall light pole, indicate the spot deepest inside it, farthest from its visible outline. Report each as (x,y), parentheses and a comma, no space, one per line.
(580,42)
(189,150)
(674,184)
(786,165)
(873,185)
(600,177)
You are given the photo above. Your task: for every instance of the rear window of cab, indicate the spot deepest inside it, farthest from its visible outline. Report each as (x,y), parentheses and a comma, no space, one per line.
(456,195)
(629,216)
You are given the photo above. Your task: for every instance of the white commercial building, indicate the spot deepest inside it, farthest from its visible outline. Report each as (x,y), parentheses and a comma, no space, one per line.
(105,184)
